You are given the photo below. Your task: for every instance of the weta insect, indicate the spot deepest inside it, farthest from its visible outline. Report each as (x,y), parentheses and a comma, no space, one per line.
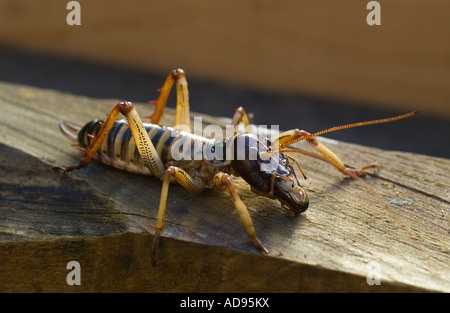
(149,149)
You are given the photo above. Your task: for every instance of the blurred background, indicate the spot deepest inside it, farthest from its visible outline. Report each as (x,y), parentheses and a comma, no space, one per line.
(297,64)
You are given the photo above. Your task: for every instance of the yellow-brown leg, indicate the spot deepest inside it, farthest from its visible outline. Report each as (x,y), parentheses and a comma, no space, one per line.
(144,144)
(182,115)
(223,180)
(183,178)
(326,154)
(96,141)
(241,116)
(295,135)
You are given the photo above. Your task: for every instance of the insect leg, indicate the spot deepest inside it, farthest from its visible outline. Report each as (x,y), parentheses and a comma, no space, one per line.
(326,154)
(295,135)
(241,116)
(96,141)
(223,180)
(185,180)
(182,116)
(286,136)
(147,150)
(144,144)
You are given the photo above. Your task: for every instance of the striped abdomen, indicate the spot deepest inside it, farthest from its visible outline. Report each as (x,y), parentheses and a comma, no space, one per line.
(119,148)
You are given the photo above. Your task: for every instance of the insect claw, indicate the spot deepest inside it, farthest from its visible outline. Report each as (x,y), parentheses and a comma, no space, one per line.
(91,136)
(159,89)
(154,246)
(152,102)
(69,168)
(259,245)
(82,149)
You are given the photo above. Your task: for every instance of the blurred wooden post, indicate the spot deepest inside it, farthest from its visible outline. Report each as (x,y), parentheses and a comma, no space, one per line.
(320,48)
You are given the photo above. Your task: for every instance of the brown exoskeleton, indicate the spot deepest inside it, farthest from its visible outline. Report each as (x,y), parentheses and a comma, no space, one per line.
(151,149)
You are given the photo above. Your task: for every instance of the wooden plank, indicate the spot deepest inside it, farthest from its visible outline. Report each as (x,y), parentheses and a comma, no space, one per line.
(104,218)
(325,49)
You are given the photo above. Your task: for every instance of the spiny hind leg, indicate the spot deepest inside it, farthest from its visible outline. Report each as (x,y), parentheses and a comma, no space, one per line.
(96,141)
(325,153)
(223,180)
(182,115)
(143,143)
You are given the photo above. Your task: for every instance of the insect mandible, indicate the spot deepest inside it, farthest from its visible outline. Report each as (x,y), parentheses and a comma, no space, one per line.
(149,149)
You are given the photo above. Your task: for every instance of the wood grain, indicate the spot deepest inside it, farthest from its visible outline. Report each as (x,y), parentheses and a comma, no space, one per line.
(104,218)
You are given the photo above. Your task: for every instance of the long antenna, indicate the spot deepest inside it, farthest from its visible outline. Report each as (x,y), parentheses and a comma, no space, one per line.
(332,129)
